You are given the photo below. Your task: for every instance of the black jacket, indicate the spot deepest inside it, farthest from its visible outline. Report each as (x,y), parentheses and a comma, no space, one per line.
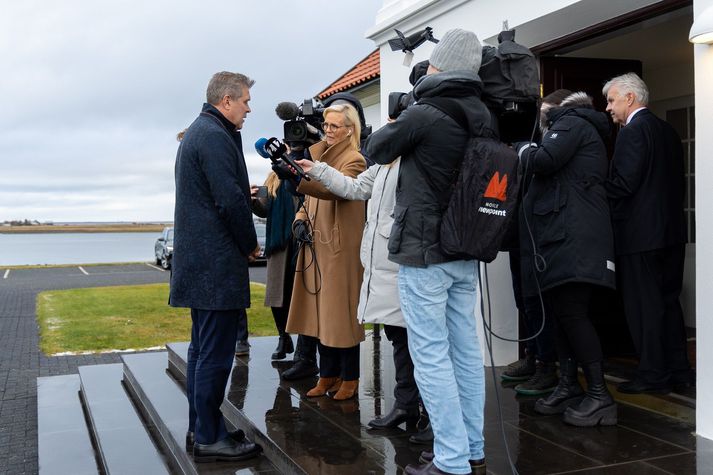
(646,186)
(565,206)
(214,231)
(424,134)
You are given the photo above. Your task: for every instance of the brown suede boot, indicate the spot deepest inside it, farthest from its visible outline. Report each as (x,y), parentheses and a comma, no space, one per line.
(322,386)
(347,390)
(335,387)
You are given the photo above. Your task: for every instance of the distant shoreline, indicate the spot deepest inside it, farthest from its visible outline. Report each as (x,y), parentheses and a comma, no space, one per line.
(84,228)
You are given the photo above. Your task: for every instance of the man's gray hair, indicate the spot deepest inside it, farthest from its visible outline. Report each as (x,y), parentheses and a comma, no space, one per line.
(629,83)
(226,83)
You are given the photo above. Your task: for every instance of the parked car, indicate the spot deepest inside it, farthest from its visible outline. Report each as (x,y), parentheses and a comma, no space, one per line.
(260,230)
(164,248)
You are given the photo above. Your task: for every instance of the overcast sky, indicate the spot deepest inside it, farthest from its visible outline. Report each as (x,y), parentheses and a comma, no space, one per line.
(92,93)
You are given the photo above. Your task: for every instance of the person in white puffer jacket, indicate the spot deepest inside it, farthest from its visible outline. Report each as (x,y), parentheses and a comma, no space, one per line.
(379,297)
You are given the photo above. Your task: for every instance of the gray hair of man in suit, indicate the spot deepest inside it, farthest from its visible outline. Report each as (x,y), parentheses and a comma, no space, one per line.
(629,83)
(226,83)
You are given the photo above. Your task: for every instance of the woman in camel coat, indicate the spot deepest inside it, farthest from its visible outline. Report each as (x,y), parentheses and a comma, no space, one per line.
(328,275)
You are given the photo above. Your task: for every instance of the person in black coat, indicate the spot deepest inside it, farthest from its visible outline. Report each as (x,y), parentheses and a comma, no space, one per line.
(214,240)
(646,189)
(565,215)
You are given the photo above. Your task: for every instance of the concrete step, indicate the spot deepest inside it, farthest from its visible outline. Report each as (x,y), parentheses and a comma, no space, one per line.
(123,444)
(308,435)
(64,444)
(163,402)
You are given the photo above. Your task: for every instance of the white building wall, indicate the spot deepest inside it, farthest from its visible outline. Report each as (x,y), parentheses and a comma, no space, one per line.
(704,230)
(536,23)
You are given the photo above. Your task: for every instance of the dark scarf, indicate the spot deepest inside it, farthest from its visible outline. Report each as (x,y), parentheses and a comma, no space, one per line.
(279,224)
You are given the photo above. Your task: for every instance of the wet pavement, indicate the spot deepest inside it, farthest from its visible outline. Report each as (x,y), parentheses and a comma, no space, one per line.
(320,435)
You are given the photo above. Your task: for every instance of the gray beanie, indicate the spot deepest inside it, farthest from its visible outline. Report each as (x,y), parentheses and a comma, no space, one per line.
(457,50)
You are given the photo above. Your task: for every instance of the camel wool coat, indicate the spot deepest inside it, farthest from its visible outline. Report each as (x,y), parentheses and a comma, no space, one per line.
(327,281)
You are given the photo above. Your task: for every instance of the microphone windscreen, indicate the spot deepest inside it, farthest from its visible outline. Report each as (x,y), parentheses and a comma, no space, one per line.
(287,110)
(260,147)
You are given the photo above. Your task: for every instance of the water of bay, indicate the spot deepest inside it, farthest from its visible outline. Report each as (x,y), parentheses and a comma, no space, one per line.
(76,248)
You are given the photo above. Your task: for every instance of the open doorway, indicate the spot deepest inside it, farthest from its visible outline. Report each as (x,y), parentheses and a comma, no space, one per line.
(657,48)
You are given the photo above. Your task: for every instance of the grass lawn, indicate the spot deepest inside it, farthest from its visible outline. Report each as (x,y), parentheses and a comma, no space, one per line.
(125,317)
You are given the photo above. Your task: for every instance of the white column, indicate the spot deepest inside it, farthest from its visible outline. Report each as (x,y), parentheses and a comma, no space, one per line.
(704,230)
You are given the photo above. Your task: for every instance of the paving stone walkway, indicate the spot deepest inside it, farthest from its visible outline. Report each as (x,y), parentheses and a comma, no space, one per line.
(21,361)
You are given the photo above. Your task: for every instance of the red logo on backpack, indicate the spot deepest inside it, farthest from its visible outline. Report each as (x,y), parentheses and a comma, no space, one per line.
(497,188)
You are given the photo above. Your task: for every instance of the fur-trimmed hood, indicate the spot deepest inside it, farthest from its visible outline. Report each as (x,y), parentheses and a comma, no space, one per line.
(581,105)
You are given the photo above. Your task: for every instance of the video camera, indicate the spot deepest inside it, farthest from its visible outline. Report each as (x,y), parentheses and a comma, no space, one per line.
(303,124)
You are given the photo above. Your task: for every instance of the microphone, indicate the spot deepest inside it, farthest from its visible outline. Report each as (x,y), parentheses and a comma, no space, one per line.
(287,110)
(260,148)
(275,150)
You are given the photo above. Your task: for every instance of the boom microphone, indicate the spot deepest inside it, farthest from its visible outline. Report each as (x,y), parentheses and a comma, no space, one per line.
(287,110)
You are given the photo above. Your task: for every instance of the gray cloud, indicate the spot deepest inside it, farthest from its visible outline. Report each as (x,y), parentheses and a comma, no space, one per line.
(93,93)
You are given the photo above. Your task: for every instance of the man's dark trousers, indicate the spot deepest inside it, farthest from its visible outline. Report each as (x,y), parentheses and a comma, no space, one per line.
(650,284)
(210,358)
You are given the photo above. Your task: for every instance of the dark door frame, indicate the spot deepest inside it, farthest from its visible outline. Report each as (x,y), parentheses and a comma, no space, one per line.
(608,26)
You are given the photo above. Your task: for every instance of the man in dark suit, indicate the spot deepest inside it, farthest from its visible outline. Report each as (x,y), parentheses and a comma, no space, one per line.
(214,241)
(646,191)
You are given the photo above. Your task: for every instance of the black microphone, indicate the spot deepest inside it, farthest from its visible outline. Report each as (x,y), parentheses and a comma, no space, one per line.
(287,110)
(278,151)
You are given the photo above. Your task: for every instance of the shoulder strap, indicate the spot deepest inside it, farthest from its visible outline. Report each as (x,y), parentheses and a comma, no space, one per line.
(454,109)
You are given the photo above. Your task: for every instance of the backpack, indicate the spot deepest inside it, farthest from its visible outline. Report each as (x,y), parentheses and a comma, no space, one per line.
(484,199)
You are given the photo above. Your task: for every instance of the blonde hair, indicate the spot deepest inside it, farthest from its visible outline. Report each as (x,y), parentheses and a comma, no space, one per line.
(272,182)
(351,119)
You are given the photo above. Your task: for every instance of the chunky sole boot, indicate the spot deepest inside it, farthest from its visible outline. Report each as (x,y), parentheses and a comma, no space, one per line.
(598,406)
(567,393)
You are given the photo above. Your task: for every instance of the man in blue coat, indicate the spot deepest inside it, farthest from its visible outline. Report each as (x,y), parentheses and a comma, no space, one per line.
(646,191)
(213,243)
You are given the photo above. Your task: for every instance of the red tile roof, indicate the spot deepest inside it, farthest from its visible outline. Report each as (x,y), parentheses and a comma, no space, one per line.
(365,71)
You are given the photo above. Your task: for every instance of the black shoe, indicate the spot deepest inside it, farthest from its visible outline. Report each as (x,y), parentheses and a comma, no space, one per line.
(567,393)
(520,370)
(237,436)
(225,450)
(638,386)
(284,347)
(476,466)
(395,418)
(423,436)
(542,382)
(301,369)
(242,348)
(598,406)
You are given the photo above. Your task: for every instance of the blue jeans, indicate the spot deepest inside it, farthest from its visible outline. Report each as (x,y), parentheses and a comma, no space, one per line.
(438,303)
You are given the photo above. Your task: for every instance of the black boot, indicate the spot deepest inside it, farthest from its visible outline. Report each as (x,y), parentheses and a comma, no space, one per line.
(302,368)
(567,393)
(597,407)
(284,347)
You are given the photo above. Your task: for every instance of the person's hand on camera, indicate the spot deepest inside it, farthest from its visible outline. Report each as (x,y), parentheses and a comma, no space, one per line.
(253,191)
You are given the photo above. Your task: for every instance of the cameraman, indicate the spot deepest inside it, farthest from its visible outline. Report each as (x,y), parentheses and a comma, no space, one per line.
(437,291)
(326,287)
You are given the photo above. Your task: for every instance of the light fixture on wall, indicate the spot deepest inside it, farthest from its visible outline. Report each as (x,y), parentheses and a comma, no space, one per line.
(702,29)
